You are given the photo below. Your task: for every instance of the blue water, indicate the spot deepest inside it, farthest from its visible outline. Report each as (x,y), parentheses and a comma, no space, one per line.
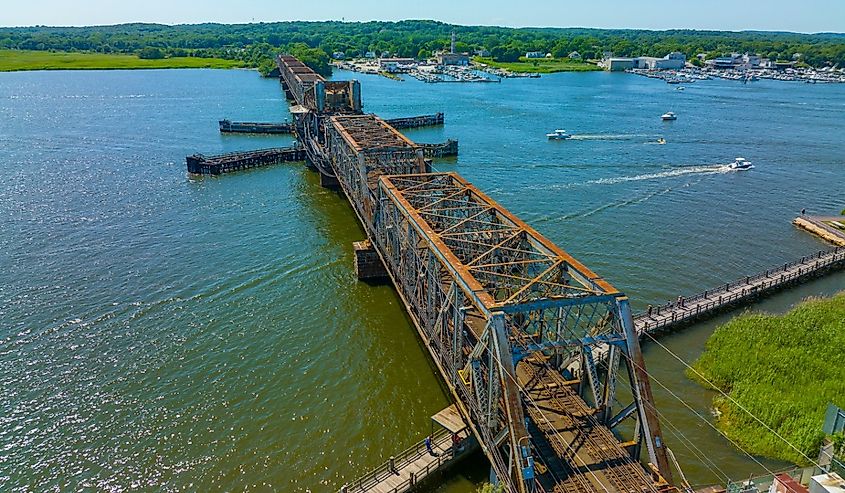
(164,332)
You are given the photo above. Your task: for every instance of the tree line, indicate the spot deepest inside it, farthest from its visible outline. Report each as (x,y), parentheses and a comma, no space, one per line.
(255,44)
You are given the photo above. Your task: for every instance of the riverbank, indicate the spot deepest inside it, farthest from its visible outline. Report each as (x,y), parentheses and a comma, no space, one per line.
(20,60)
(781,370)
(540,65)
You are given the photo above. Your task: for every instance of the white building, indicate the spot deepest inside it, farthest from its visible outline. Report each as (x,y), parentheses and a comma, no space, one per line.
(535,54)
(393,65)
(574,56)
(617,64)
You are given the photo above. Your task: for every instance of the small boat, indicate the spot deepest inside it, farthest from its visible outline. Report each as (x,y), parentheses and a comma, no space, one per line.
(558,135)
(668,116)
(740,163)
(661,140)
(680,88)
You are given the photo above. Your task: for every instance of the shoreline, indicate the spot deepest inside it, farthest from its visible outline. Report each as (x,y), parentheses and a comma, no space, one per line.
(31,60)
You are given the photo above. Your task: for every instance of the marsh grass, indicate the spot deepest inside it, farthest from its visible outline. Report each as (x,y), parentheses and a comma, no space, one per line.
(784,370)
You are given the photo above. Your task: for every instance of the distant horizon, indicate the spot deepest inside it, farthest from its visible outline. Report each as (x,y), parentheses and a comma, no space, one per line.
(69,26)
(813,17)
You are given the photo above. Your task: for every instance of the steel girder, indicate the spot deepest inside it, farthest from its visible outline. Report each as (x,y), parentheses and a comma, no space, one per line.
(475,277)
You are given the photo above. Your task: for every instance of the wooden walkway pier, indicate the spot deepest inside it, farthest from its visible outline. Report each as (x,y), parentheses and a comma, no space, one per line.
(413,466)
(239,161)
(710,302)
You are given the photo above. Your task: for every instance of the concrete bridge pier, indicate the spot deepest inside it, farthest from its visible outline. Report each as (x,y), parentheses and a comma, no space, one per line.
(288,94)
(368,265)
(328,181)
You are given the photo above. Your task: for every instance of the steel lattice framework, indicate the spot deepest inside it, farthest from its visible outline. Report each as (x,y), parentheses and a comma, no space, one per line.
(486,291)
(509,318)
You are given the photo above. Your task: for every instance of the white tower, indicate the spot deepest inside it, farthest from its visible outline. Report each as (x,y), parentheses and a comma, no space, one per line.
(454,38)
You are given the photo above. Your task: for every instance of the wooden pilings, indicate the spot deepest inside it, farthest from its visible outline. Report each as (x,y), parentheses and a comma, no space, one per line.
(444,149)
(228,126)
(417,121)
(239,161)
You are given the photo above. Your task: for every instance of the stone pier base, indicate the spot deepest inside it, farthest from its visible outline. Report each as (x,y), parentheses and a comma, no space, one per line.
(327,181)
(368,265)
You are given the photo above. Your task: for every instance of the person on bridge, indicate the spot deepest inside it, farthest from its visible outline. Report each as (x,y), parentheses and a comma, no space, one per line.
(649,310)
(456,444)
(430,448)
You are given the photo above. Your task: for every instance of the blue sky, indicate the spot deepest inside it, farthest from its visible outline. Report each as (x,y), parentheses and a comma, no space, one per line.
(785,15)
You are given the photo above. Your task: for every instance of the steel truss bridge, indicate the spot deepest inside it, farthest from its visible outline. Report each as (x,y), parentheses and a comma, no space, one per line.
(539,353)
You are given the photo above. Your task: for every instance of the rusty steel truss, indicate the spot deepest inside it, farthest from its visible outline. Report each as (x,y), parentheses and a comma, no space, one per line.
(530,342)
(486,292)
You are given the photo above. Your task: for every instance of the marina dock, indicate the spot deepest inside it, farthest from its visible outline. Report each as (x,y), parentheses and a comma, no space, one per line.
(710,302)
(239,161)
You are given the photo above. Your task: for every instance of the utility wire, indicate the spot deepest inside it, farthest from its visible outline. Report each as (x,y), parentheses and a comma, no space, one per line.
(734,401)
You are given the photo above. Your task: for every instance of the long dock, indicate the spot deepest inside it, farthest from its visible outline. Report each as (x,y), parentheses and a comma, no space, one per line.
(712,301)
(228,126)
(416,121)
(239,161)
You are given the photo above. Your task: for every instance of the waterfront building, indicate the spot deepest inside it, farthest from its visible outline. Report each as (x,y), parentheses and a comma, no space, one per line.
(672,61)
(574,56)
(393,65)
(535,54)
(339,55)
(617,64)
(453,59)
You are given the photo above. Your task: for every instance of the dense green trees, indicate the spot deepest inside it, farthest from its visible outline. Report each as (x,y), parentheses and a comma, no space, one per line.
(782,370)
(151,53)
(253,44)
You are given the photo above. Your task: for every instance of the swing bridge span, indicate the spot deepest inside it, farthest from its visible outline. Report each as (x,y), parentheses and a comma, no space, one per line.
(513,323)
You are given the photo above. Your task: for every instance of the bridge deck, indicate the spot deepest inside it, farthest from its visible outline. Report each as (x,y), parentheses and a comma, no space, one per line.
(710,302)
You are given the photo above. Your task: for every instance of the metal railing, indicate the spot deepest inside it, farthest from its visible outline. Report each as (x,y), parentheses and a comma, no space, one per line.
(732,292)
(406,457)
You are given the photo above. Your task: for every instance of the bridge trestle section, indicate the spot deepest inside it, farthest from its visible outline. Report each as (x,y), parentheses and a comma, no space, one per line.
(488,293)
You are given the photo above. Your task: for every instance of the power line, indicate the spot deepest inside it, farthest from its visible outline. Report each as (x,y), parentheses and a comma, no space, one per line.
(734,401)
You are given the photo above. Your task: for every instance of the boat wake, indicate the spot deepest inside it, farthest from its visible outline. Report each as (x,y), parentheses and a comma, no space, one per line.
(611,136)
(683,171)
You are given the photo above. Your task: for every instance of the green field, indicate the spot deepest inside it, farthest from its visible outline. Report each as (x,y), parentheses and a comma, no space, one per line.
(782,369)
(14,60)
(540,65)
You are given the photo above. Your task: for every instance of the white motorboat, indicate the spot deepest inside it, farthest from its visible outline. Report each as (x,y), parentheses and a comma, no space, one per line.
(668,116)
(740,163)
(558,135)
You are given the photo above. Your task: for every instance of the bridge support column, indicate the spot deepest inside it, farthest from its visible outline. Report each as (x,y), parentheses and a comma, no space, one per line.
(368,265)
(329,182)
